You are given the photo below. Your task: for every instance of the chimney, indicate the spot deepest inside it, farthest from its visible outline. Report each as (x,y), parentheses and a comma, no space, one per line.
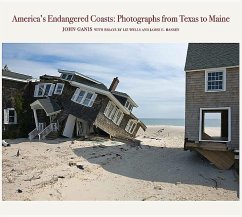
(114,84)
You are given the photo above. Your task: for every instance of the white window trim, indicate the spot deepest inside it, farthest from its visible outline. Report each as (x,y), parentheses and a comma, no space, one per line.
(56,88)
(76,94)
(133,124)
(66,75)
(229,124)
(51,90)
(128,104)
(6,116)
(115,108)
(215,70)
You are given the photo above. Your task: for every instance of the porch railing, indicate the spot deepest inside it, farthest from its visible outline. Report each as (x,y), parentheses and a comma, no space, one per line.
(53,127)
(33,134)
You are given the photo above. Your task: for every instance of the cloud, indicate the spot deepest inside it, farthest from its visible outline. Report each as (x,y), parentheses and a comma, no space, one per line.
(152,74)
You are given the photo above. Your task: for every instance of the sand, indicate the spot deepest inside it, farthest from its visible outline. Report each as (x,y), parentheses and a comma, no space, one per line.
(108,170)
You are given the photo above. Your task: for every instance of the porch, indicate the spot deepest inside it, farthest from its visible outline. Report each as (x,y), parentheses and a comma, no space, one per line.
(45,116)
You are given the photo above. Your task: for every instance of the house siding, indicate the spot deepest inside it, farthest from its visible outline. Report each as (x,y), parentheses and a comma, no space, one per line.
(85,113)
(112,129)
(17,95)
(197,98)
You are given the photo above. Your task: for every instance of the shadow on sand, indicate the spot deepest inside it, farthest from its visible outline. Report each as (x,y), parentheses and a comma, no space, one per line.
(157,164)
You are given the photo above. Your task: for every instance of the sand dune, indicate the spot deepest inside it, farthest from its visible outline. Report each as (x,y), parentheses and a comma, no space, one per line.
(108,170)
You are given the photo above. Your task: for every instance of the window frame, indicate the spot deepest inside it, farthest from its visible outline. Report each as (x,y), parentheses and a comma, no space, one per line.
(113,113)
(207,71)
(7,117)
(56,88)
(86,92)
(131,125)
(65,76)
(128,105)
(229,124)
(37,88)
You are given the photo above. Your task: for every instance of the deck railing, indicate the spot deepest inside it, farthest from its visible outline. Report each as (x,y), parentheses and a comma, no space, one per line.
(33,134)
(50,128)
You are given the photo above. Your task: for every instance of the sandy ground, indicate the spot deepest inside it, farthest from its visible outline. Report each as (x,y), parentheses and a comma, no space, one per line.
(108,170)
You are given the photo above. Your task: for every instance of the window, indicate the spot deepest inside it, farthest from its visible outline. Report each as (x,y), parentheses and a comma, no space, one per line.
(44,89)
(215,80)
(59,88)
(67,76)
(10,116)
(84,97)
(131,126)
(128,105)
(113,113)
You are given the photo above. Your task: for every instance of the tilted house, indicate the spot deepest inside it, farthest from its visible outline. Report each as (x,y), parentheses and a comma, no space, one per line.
(212,89)
(16,95)
(74,105)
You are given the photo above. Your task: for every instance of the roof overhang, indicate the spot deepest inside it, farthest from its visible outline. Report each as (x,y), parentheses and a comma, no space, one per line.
(127,97)
(132,102)
(78,74)
(15,79)
(227,67)
(103,92)
(37,105)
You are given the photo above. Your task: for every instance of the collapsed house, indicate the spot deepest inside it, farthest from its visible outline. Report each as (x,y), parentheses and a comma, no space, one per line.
(74,105)
(212,90)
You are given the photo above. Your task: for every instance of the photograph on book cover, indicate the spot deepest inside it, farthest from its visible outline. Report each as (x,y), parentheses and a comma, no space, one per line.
(115,121)
(120,108)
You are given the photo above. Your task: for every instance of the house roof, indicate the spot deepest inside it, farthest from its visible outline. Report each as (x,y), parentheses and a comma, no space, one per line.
(79,74)
(100,86)
(92,82)
(7,74)
(211,55)
(48,104)
(125,95)
(121,94)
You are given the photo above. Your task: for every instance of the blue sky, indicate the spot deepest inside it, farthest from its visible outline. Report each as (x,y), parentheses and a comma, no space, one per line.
(152,74)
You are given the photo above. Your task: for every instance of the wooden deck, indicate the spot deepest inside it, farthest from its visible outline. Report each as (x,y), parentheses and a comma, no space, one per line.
(212,146)
(217,153)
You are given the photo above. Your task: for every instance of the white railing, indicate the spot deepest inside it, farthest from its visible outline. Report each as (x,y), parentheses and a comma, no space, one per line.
(33,134)
(50,128)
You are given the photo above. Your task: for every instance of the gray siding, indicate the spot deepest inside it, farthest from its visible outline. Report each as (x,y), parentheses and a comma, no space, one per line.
(112,129)
(197,98)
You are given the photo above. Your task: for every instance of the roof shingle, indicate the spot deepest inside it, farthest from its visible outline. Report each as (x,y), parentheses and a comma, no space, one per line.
(211,55)
(10,74)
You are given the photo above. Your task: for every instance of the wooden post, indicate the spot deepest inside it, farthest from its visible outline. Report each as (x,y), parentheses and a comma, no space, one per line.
(36,119)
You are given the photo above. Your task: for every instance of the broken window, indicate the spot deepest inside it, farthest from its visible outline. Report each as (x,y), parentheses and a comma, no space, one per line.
(44,89)
(59,88)
(215,125)
(113,113)
(215,80)
(130,127)
(84,97)
(10,116)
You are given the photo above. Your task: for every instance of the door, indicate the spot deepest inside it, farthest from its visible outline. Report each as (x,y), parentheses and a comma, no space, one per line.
(69,127)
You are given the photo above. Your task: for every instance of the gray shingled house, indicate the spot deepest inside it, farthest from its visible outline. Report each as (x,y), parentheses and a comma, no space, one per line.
(16,96)
(212,91)
(75,105)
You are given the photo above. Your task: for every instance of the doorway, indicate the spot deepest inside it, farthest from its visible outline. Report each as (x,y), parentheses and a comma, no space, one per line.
(215,124)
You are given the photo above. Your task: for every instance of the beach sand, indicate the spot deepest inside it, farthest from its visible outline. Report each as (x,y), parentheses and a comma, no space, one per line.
(102,169)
